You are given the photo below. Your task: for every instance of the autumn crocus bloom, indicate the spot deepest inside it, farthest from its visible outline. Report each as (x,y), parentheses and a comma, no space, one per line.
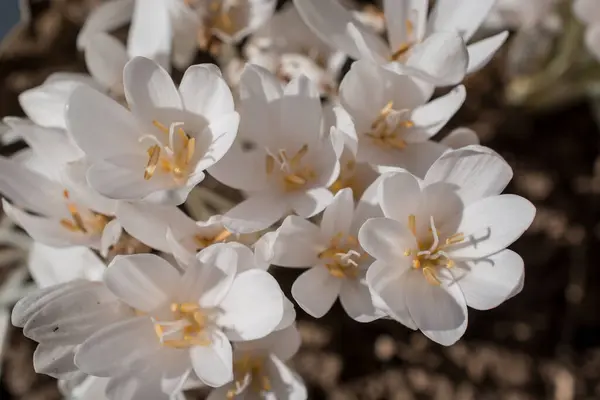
(442,244)
(434,46)
(259,369)
(159,150)
(289,163)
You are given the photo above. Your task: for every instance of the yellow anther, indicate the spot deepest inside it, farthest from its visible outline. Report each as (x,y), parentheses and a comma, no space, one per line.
(153,157)
(293,179)
(270,164)
(222,236)
(161,127)
(412,224)
(430,276)
(294,161)
(191,330)
(203,242)
(191,149)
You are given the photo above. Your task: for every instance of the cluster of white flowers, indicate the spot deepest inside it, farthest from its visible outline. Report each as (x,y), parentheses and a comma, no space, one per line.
(588,11)
(346,180)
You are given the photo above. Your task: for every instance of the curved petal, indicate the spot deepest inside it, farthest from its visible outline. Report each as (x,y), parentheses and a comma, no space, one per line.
(254,214)
(105,58)
(311,202)
(53,360)
(463,16)
(316,290)
(460,137)
(476,171)
(337,217)
(46,104)
(108,16)
(399,196)
(482,52)
(488,282)
(205,92)
(398,14)
(356,300)
(214,363)
(587,11)
(433,116)
(286,383)
(492,224)
(144,281)
(253,307)
(440,312)
(150,32)
(296,243)
(222,133)
(386,240)
(592,40)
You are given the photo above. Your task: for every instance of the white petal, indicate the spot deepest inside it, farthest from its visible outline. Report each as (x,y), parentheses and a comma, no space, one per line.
(492,224)
(481,53)
(205,92)
(399,196)
(110,236)
(108,16)
(587,10)
(253,307)
(337,217)
(463,16)
(144,281)
(316,290)
(150,32)
(439,311)
(49,231)
(241,169)
(476,171)
(74,177)
(368,205)
(592,40)
(433,116)
(259,82)
(460,137)
(54,360)
(289,315)
(117,346)
(488,282)
(254,214)
(328,19)
(388,281)
(149,89)
(370,46)
(283,344)
(99,125)
(442,56)
(148,223)
(45,105)
(397,13)
(222,133)
(29,189)
(105,58)
(296,243)
(286,383)
(300,116)
(386,239)
(213,363)
(311,202)
(209,280)
(357,301)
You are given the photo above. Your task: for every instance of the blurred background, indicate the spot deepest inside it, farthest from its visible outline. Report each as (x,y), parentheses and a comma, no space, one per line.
(542,344)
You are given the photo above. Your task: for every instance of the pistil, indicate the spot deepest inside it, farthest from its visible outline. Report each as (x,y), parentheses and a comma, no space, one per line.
(293,174)
(386,134)
(187,329)
(342,255)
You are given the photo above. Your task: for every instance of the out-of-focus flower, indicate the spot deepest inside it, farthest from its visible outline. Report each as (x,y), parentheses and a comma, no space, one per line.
(159,150)
(434,47)
(588,11)
(259,369)
(289,163)
(442,245)
(288,48)
(392,119)
(517,15)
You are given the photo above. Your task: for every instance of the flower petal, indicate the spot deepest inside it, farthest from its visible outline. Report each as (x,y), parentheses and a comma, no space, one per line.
(482,52)
(205,92)
(54,360)
(397,13)
(213,363)
(488,282)
(386,239)
(150,32)
(105,58)
(357,301)
(253,307)
(45,105)
(337,217)
(316,290)
(592,40)
(460,137)
(311,202)
(399,196)
(107,17)
(222,133)
(476,171)
(144,281)
(492,224)
(433,116)
(440,312)
(285,381)
(254,214)
(463,16)
(296,243)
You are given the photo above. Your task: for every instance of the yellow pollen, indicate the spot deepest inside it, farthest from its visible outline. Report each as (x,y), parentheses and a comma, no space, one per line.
(94,224)
(384,135)
(342,255)
(189,324)
(203,242)
(153,157)
(430,254)
(250,372)
(293,174)
(406,46)
(161,127)
(175,159)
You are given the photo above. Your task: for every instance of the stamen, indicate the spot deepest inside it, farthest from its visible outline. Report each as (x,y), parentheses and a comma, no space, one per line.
(222,236)
(270,164)
(163,128)
(430,276)
(298,156)
(190,322)
(153,157)
(412,224)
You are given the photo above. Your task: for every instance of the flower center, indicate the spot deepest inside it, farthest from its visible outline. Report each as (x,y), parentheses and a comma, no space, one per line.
(187,329)
(93,223)
(250,372)
(291,172)
(218,15)
(406,46)
(430,255)
(203,241)
(342,255)
(172,158)
(387,129)
(347,179)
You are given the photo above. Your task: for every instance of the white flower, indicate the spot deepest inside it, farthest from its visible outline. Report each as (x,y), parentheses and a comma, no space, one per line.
(517,15)
(588,11)
(288,48)
(442,245)
(392,118)
(205,23)
(289,164)
(260,372)
(50,266)
(159,150)
(183,321)
(337,262)
(106,17)
(435,46)
(149,36)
